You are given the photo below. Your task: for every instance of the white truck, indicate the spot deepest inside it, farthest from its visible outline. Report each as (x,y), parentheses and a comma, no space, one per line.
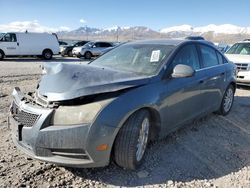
(43,45)
(239,54)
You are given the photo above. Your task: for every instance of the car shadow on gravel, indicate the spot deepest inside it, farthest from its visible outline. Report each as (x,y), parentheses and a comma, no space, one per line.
(212,147)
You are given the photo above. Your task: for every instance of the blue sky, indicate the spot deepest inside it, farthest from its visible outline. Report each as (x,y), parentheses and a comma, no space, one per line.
(155,14)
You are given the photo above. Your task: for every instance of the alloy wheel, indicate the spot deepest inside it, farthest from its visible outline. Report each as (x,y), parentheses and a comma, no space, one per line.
(228,100)
(143,139)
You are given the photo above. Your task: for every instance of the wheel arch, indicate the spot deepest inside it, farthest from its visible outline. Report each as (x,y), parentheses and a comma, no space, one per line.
(155,121)
(2,51)
(48,49)
(233,84)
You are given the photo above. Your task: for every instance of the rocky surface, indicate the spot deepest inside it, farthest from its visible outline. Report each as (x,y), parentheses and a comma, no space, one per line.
(212,152)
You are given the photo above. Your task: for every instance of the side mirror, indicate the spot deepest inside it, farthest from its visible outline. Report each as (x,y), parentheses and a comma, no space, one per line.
(182,71)
(94,46)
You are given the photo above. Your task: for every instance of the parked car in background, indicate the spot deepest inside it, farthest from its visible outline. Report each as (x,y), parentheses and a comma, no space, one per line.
(92,49)
(67,50)
(62,43)
(222,47)
(43,45)
(239,54)
(84,115)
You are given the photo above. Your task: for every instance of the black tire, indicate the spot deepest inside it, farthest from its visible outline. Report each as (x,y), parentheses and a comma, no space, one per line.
(69,53)
(47,54)
(1,55)
(225,109)
(126,143)
(87,55)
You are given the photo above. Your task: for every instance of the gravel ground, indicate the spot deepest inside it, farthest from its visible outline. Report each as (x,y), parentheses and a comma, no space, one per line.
(212,152)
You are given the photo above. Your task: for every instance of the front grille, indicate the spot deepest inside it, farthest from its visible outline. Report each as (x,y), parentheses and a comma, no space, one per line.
(27,119)
(241,66)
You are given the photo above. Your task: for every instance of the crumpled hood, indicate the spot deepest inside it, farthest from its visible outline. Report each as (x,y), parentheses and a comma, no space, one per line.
(235,58)
(68,81)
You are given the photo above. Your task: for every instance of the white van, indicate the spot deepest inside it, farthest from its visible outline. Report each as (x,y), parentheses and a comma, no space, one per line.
(43,45)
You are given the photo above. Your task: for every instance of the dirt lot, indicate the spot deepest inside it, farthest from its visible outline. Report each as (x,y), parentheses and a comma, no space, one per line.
(213,152)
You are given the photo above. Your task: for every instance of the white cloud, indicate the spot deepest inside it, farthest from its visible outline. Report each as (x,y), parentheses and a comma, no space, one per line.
(82,21)
(32,26)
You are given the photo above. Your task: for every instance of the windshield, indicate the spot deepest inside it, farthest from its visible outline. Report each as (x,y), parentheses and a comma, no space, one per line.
(137,58)
(240,48)
(1,35)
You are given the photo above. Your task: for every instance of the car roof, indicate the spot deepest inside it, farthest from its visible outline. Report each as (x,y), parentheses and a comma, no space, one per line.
(245,41)
(173,42)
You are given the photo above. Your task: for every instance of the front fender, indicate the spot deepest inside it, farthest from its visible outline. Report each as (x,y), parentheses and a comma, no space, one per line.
(118,111)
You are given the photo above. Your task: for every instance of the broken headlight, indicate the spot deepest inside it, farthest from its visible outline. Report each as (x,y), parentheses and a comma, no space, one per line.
(75,115)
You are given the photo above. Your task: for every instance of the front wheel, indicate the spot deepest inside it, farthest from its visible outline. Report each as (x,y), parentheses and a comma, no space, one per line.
(227,101)
(132,139)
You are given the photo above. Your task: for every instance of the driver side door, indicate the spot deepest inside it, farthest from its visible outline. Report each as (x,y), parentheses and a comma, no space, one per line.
(181,97)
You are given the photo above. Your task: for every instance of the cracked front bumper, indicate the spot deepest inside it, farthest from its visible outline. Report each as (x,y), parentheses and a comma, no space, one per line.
(71,145)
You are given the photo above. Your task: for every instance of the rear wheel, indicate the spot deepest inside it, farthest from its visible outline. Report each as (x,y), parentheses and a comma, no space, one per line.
(47,54)
(88,55)
(132,139)
(227,101)
(1,55)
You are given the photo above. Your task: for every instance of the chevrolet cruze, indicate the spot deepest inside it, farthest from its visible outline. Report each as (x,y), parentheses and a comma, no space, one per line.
(87,115)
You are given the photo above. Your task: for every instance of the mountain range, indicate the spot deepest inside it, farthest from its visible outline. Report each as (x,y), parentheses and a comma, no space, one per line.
(225,33)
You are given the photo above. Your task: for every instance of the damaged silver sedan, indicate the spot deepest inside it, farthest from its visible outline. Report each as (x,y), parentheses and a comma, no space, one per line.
(86,115)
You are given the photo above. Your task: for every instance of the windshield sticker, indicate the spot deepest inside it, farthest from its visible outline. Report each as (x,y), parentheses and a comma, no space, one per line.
(155,56)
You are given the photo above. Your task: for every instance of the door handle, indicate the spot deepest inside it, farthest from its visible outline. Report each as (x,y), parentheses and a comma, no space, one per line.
(17,43)
(222,74)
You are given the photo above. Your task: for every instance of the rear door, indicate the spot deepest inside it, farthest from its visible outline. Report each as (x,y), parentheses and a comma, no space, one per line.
(213,85)
(181,96)
(96,48)
(9,44)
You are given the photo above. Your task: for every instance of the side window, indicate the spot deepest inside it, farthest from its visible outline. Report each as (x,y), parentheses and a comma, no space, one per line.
(209,56)
(97,45)
(78,44)
(188,56)
(82,43)
(9,37)
(220,58)
(104,44)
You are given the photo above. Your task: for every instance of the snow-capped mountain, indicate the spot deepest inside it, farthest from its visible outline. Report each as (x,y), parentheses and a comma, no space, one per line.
(112,33)
(216,29)
(217,33)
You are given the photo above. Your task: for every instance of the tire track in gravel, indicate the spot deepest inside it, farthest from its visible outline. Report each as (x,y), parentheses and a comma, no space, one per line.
(18,78)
